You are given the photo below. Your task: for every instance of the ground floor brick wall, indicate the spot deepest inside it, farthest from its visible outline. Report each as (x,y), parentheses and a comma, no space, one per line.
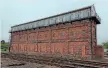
(73,38)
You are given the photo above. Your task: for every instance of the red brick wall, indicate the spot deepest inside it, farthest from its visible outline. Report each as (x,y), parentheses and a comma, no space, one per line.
(69,38)
(98,51)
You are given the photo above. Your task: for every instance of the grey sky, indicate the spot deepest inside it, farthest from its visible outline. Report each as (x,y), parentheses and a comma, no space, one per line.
(20,11)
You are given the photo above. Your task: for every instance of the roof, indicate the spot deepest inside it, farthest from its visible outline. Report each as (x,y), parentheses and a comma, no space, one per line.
(82,13)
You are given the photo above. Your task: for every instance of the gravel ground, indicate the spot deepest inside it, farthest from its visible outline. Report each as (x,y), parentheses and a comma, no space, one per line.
(8,63)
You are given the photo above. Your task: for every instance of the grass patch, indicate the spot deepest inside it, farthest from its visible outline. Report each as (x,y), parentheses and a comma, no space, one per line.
(4,47)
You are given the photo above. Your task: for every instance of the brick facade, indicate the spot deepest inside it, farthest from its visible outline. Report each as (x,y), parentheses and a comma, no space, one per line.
(72,38)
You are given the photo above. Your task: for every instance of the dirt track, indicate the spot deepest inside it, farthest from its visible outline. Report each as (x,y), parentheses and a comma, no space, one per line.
(9,63)
(33,61)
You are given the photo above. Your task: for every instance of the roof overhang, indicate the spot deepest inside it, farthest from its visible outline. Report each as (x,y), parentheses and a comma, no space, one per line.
(79,14)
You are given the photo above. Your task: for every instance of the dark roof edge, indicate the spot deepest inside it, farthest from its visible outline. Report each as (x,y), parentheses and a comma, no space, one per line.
(93,18)
(53,16)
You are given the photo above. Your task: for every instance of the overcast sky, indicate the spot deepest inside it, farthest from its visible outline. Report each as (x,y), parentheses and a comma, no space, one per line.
(13,12)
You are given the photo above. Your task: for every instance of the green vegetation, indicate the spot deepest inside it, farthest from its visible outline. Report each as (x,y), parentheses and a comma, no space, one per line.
(4,47)
(105,44)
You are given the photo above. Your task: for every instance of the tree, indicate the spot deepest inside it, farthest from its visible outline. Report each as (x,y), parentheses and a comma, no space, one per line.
(2,41)
(105,44)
